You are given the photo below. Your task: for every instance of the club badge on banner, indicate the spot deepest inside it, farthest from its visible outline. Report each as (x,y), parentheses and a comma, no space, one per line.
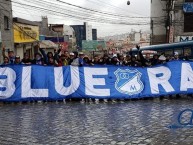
(26,83)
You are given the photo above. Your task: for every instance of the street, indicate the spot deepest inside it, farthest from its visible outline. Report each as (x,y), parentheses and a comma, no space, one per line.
(122,123)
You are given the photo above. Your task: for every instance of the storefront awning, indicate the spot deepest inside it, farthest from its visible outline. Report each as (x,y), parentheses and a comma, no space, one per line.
(48,44)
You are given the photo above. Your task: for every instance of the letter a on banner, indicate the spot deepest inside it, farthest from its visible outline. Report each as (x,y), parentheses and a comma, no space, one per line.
(186,77)
(162,80)
(59,80)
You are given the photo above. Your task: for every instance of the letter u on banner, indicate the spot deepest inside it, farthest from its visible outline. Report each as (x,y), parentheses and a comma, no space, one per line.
(59,81)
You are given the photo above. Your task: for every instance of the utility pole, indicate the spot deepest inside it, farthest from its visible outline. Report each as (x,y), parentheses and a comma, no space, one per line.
(168,24)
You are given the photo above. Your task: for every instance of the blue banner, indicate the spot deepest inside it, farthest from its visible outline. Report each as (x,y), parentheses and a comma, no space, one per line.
(188,7)
(26,83)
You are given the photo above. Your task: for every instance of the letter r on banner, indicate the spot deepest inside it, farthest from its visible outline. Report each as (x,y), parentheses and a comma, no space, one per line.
(162,80)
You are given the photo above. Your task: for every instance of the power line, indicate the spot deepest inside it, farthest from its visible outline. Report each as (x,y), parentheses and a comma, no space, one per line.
(82,18)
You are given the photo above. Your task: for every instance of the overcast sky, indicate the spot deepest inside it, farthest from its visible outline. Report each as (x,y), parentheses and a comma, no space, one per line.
(137,8)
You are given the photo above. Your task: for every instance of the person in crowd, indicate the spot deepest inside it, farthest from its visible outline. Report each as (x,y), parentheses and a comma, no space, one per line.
(74,60)
(38,60)
(105,60)
(87,61)
(5,61)
(127,61)
(17,60)
(162,59)
(168,58)
(145,61)
(63,60)
(50,55)
(96,60)
(81,59)
(71,58)
(121,59)
(135,62)
(11,55)
(26,60)
(51,62)
(176,56)
(114,60)
(155,60)
(186,57)
(78,61)
(45,57)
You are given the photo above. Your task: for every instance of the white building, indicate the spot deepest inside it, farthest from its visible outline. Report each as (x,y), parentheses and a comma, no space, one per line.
(88,31)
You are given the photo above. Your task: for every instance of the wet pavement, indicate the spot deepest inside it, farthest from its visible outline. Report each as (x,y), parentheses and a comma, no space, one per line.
(143,122)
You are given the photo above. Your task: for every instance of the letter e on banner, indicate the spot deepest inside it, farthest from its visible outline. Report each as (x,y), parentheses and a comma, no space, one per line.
(7,79)
(90,82)
(162,80)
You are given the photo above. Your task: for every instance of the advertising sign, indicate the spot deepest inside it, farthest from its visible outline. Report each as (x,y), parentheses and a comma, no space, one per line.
(184,38)
(25,33)
(93,45)
(188,7)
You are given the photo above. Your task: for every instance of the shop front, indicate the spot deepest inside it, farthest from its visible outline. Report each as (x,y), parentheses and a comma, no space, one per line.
(26,36)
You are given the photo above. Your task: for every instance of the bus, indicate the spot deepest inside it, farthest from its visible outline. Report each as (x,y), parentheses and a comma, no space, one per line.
(168,49)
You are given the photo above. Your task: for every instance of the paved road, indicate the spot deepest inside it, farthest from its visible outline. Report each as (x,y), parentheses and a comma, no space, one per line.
(133,122)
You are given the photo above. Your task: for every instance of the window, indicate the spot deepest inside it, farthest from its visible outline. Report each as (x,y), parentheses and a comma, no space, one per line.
(179,50)
(169,52)
(6,23)
(188,21)
(187,50)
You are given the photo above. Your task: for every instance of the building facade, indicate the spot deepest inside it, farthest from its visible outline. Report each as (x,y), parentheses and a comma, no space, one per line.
(6,24)
(183,28)
(84,32)
(171,21)
(158,22)
(26,35)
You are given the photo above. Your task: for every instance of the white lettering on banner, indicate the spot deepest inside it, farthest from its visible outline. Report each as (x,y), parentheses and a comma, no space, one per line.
(186,77)
(8,77)
(59,81)
(162,80)
(90,82)
(26,91)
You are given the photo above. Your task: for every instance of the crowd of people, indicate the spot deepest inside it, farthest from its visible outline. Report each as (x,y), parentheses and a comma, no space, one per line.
(59,58)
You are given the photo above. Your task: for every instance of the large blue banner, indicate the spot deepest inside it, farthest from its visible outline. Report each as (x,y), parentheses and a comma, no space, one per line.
(25,83)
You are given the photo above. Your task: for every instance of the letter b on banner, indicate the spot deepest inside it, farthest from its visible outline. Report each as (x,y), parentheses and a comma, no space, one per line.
(7,79)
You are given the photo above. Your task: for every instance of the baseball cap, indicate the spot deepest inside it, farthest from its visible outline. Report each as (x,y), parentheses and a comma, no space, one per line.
(17,56)
(80,53)
(176,53)
(163,58)
(71,53)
